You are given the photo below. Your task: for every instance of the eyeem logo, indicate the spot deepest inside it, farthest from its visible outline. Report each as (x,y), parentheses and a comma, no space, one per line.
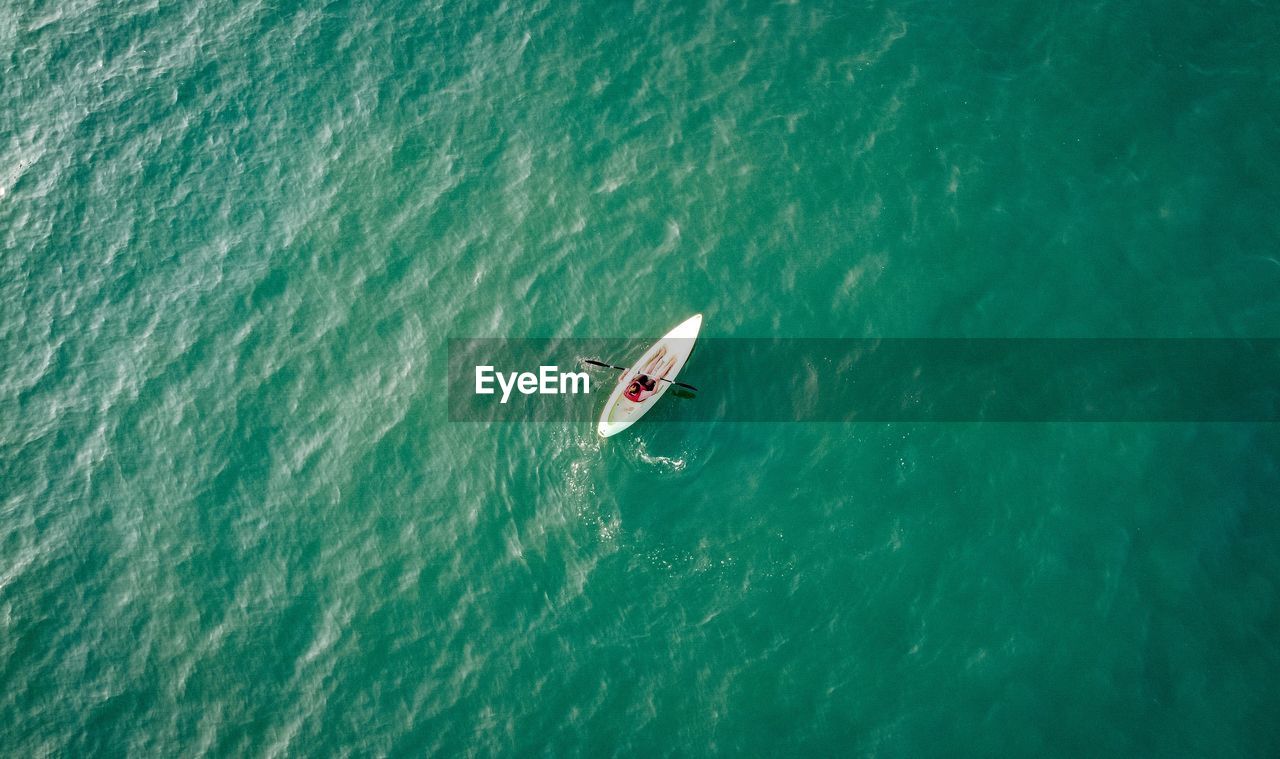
(548,381)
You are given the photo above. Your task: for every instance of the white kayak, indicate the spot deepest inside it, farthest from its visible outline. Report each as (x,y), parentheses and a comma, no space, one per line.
(621,412)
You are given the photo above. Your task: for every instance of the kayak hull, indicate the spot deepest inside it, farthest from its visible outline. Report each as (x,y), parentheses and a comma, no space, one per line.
(621,412)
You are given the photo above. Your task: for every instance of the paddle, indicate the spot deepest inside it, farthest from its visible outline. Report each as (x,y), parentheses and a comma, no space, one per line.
(623,369)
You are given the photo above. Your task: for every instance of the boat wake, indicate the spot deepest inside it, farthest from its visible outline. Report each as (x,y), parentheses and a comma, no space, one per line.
(666,464)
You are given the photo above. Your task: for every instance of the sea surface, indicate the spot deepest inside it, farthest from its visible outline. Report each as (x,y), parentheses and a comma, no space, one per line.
(236,236)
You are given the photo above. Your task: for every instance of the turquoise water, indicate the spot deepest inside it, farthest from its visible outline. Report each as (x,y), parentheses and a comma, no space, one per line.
(234,516)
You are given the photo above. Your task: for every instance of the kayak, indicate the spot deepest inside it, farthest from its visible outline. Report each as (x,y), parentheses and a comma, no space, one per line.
(621,412)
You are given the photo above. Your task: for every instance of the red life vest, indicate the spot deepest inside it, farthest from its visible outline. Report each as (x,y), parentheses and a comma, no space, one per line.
(635,392)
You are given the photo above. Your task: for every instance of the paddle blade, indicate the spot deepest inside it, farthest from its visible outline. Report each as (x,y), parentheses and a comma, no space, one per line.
(593,362)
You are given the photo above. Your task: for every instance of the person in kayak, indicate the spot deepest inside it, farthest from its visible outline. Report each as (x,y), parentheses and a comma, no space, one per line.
(646,382)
